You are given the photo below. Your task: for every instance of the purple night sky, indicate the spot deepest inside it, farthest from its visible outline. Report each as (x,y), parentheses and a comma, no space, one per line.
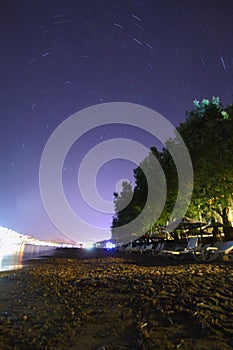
(58,57)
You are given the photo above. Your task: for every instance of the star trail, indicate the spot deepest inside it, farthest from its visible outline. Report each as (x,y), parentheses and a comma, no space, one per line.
(58,57)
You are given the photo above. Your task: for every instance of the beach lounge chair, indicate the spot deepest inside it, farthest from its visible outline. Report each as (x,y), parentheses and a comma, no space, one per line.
(210,252)
(192,244)
(139,248)
(156,249)
(148,248)
(178,252)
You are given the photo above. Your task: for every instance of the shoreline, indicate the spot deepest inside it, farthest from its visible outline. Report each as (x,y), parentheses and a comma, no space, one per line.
(93,300)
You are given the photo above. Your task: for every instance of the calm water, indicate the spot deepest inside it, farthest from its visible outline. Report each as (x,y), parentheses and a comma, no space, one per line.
(14,256)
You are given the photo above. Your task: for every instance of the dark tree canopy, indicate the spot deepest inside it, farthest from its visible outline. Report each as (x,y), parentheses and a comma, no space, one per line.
(208,135)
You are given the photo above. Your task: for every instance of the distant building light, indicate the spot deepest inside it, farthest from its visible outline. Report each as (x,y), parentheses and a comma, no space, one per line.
(110,245)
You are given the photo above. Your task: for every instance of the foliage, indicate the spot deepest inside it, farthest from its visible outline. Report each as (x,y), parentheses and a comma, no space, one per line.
(125,205)
(208,135)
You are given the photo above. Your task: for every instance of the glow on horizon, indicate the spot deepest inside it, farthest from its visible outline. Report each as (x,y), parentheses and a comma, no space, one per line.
(9,236)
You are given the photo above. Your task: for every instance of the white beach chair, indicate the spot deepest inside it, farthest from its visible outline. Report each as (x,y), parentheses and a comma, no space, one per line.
(139,248)
(177,248)
(178,252)
(192,243)
(215,251)
(159,247)
(148,248)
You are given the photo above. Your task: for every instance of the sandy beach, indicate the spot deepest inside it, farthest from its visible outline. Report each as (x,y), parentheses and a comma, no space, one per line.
(91,300)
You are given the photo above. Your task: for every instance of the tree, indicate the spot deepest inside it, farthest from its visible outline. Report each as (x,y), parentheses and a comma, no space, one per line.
(208,134)
(148,204)
(126,210)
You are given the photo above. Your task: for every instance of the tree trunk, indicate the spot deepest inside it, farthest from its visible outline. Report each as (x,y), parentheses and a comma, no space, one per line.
(225,216)
(227,229)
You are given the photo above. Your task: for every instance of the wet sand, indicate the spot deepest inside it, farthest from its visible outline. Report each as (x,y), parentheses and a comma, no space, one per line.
(91,300)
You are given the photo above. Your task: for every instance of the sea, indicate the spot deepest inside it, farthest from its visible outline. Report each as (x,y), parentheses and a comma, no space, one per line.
(15,256)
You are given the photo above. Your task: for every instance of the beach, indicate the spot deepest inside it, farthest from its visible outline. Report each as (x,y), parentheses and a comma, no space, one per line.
(89,300)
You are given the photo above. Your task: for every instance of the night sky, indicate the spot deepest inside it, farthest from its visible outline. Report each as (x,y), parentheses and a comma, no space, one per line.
(58,57)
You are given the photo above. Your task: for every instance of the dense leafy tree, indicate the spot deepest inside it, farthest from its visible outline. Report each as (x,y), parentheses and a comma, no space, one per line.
(125,207)
(208,135)
(153,210)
